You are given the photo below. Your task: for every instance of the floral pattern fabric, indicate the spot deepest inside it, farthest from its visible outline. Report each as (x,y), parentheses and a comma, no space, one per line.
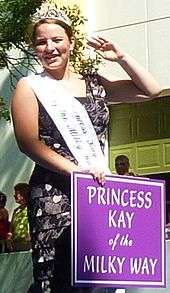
(49,202)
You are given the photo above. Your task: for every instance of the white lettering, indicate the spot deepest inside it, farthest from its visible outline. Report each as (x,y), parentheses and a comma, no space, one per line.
(124,197)
(120,219)
(91,193)
(88,264)
(103,264)
(142,265)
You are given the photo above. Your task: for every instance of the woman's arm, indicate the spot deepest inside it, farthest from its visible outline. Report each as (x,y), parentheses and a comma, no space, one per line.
(142,85)
(25,119)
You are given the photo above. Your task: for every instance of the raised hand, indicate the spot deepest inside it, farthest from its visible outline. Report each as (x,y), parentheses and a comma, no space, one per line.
(105,48)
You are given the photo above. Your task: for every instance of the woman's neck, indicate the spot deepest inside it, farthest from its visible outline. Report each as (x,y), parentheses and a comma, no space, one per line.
(67,75)
(61,74)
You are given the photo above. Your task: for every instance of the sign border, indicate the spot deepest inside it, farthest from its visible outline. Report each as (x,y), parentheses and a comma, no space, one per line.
(143,181)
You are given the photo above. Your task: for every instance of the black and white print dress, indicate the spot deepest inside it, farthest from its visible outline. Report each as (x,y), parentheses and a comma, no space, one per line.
(49,201)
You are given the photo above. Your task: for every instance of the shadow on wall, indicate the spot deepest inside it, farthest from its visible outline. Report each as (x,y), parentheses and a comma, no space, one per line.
(14,167)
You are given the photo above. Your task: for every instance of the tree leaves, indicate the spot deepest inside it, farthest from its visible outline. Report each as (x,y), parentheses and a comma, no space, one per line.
(14,20)
(4,112)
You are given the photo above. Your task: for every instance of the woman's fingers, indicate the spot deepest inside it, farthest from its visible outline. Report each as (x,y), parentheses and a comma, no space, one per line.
(101,179)
(98,175)
(96,42)
(101,45)
(103,40)
(92,43)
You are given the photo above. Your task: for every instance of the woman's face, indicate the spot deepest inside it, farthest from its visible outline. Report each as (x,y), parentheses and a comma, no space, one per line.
(19,198)
(52,46)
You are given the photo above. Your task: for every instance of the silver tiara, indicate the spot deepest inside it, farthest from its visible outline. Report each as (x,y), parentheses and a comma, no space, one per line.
(50,11)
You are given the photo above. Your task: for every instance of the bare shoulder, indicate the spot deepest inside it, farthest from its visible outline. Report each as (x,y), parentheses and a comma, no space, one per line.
(24,110)
(24,104)
(23,95)
(23,89)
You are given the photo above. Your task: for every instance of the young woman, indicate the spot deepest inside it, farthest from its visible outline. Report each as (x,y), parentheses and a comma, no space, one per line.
(60,120)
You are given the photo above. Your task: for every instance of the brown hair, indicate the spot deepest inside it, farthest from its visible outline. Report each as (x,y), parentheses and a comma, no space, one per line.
(3,198)
(66,27)
(23,188)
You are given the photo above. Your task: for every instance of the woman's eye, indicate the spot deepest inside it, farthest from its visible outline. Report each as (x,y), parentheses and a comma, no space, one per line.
(57,40)
(40,43)
(44,42)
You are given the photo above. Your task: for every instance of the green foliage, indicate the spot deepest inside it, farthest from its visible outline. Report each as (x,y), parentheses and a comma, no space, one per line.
(14,19)
(81,63)
(4,112)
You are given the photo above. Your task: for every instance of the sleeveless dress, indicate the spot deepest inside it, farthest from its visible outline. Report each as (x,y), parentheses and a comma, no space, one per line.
(50,203)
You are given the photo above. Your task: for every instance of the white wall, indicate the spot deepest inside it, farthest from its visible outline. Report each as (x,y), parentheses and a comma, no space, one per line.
(142,28)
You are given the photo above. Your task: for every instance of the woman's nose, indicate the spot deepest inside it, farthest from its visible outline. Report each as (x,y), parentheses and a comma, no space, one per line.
(50,45)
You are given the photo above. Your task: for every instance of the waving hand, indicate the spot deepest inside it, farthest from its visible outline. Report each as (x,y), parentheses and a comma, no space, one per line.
(107,49)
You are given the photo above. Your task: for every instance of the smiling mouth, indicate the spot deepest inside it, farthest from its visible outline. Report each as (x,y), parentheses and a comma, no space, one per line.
(52,56)
(52,59)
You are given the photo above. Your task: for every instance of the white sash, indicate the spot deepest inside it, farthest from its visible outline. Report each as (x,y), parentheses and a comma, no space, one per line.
(71,119)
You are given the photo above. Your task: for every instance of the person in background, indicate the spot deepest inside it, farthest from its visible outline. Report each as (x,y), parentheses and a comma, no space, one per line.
(60,120)
(122,166)
(4,223)
(19,227)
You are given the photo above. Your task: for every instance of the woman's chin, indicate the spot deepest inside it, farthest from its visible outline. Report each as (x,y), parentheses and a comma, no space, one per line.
(52,65)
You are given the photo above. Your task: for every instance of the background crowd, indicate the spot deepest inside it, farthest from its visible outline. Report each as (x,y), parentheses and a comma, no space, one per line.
(14,233)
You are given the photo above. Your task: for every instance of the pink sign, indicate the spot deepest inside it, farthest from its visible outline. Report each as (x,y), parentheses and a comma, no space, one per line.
(118,232)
